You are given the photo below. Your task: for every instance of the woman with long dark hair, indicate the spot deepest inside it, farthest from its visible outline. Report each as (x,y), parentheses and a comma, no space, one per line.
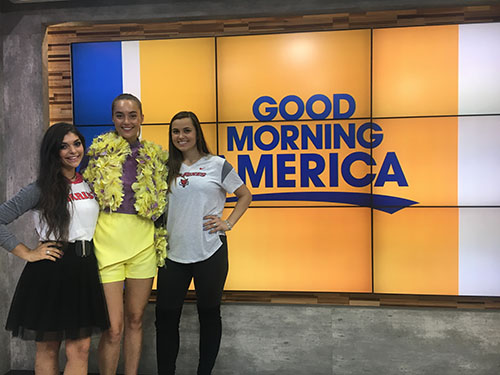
(59,295)
(198,184)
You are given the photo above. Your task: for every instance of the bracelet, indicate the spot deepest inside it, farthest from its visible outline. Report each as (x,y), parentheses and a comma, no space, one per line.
(228,225)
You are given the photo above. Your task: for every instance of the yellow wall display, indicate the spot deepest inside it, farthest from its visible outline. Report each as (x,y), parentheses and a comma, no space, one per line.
(352,146)
(427,149)
(416,251)
(301,64)
(307,156)
(306,249)
(415,71)
(177,75)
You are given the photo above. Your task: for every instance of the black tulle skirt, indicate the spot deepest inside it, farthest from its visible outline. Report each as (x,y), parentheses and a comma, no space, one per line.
(59,300)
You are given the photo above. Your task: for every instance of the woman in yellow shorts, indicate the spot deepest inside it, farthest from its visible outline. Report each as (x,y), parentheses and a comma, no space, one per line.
(128,177)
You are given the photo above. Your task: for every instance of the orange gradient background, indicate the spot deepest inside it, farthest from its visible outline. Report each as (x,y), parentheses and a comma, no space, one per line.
(416,251)
(427,150)
(415,71)
(306,249)
(178,75)
(311,246)
(301,64)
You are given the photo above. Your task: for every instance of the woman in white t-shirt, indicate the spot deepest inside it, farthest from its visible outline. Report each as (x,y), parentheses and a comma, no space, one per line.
(198,182)
(59,295)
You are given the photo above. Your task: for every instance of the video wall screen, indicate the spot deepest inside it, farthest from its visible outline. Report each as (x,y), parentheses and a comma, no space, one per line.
(371,155)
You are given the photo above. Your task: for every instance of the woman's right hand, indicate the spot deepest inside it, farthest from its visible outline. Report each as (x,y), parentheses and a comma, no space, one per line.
(44,251)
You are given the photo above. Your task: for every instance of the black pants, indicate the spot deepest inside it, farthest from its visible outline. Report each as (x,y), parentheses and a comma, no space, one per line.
(173,283)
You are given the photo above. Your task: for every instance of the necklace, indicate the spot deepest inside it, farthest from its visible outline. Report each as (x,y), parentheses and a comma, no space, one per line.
(70,179)
(104,173)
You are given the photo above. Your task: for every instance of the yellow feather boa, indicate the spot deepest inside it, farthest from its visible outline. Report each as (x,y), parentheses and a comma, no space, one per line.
(107,154)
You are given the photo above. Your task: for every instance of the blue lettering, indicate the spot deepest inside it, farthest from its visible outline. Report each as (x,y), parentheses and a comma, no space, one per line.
(376,138)
(270,111)
(349,138)
(346,169)
(289,134)
(316,139)
(336,106)
(265,165)
(246,137)
(328,136)
(274,142)
(318,98)
(283,170)
(312,174)
(300,107)
(334,170)
(391,160)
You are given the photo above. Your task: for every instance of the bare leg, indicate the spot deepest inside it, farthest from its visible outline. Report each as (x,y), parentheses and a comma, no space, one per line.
(47,358)
(137,292)
(109,345)
(77,354)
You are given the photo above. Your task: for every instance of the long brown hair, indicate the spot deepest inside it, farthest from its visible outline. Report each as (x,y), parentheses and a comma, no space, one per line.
(175,156)
(54,187)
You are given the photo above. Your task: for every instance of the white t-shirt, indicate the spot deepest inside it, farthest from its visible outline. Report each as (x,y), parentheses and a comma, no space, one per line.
(199,191)
(83,209)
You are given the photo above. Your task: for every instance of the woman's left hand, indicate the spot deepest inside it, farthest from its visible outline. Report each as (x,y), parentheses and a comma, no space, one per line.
(214,224)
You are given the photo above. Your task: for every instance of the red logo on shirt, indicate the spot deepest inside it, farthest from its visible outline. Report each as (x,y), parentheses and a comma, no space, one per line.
(80,196)
(183,181)
(189,174)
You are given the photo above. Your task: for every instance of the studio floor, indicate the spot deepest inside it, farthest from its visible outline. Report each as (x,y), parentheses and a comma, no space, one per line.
(326,340)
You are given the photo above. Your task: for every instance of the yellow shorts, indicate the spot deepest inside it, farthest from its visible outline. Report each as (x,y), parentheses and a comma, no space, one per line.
(119,237)
(140,266)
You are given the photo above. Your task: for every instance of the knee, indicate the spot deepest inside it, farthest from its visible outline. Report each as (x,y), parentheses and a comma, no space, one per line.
(48,350)
(78,349)
(210,315)
(114,333)
(167,319)
(133,320)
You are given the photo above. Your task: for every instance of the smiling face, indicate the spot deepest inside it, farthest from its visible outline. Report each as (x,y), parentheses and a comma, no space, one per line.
(127,117)
(71,154)
(183,135)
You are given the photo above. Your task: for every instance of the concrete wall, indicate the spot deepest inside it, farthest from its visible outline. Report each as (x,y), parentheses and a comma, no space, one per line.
(4,290)
(22,126)
(267,339)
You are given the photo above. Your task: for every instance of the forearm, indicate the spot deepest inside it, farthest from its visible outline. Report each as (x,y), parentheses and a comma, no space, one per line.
(244,200)
(22,251)
(214,223)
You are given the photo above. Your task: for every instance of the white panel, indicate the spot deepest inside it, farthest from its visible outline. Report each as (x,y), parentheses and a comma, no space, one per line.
(479,161)
(131,68)
(479,252)
(479,69)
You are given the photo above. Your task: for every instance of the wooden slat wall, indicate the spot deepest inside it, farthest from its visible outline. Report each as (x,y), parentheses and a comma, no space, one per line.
(353,299)
(361,299)
(60,37)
